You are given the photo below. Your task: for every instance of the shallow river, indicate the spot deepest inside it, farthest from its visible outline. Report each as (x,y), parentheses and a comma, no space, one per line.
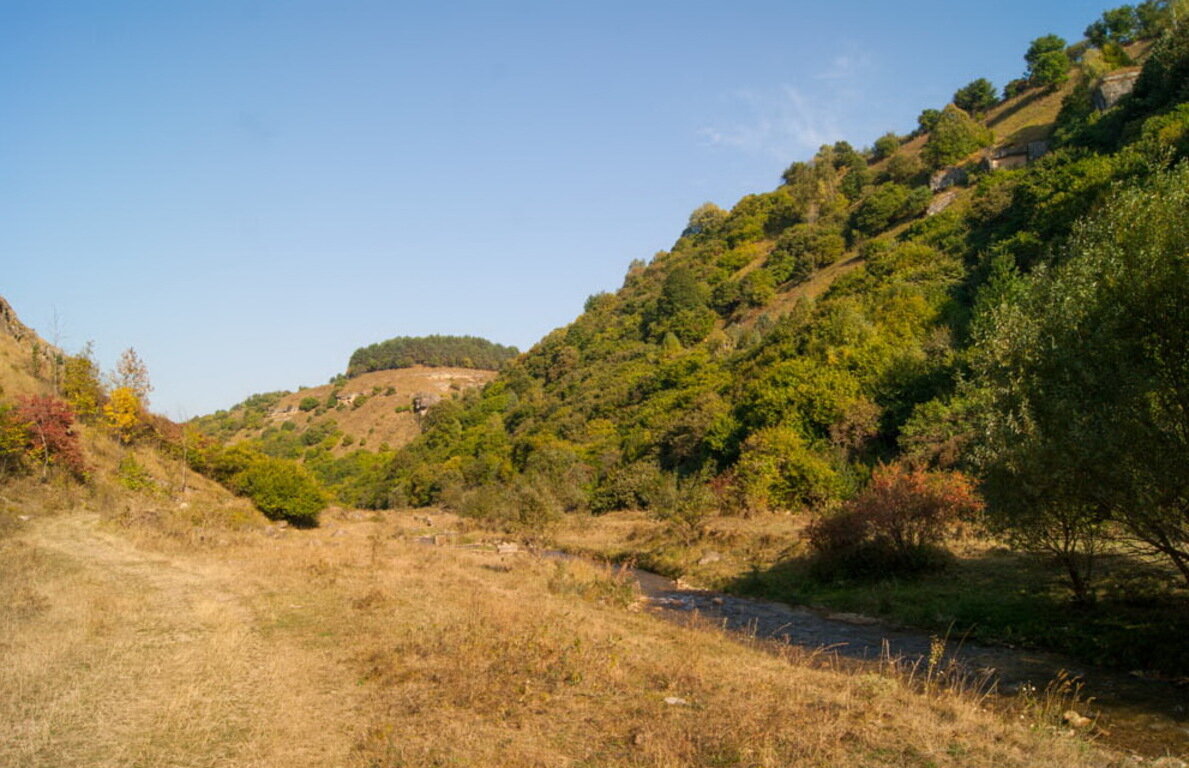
(1148,716)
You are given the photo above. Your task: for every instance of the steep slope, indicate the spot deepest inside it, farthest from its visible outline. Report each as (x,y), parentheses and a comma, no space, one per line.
(786,346)
(138,473)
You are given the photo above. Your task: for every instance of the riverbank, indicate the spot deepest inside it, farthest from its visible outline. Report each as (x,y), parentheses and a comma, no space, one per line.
(987,596)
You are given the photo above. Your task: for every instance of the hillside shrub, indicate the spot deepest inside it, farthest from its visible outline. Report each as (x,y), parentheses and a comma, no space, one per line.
(886,204)
(282,490)
(954,136)
(14,435)
(896,525)
(976,97)
(803,248)
(81,387)
(885,146)
(778,470)
(308,403)
(133,475)
(902,168)
(1048,64)
(50,437)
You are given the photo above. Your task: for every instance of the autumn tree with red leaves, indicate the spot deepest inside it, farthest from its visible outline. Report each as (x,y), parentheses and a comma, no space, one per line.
(897,522)
(51,437)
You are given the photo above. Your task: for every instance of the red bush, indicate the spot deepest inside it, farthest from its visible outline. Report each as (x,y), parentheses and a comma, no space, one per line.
(896,522)
(910,508)
(51,438)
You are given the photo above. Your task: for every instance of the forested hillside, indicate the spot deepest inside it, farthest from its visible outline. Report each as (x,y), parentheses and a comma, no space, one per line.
(991,306)
(345,432)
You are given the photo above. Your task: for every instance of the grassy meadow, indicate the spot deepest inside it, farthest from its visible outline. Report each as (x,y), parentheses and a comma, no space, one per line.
(141,643)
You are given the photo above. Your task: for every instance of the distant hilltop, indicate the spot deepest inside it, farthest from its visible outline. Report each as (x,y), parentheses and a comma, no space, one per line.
(433,351)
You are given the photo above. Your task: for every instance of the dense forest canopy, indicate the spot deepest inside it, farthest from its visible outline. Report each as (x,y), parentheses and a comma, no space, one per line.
(439,351)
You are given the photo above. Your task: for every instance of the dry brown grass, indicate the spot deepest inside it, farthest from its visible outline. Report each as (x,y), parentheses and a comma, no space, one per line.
(727,548)
(376,421)
(353,645)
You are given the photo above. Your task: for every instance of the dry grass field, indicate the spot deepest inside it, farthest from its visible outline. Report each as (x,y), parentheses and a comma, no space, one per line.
(358,645)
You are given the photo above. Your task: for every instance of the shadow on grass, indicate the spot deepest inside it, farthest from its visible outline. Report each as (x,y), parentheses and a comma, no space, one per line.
(1137,623)
(1027,101)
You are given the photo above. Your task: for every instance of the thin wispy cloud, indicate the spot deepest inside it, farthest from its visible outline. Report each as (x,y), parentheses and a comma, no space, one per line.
(845,66)
(789,121)
(781,123)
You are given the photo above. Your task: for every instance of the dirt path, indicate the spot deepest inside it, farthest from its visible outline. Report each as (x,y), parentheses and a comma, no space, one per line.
(121,656)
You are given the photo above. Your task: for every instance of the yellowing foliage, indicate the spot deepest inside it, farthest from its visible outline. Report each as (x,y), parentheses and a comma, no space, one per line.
(124,413)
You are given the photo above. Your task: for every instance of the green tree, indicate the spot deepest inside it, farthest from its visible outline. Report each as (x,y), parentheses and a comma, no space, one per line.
(1089,375)
(707,217)
(1015,87)
(681,290)
(1051,70)
(927,120)
(886,146)
(1048,65)
(902,168)
(778,470)
(757,287)
(976,97)
(81,385)
(1154,16)
(1043,46)
(1117,25)
(955,136)
(888,203)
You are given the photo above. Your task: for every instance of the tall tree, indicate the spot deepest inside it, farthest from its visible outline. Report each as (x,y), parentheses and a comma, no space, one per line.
(133,374)
(1048,65)
(1089,380)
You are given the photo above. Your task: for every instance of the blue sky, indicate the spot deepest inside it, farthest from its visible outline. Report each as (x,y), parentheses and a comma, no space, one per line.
(247,191)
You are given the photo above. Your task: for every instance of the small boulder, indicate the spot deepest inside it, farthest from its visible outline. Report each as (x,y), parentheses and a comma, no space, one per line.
(709,557)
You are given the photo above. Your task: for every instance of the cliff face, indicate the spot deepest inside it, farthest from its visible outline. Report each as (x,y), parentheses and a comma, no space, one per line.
(1114,86)
(10,324)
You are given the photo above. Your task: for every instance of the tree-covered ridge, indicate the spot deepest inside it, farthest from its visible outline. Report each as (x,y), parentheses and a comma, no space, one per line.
(715,380)
(436,351)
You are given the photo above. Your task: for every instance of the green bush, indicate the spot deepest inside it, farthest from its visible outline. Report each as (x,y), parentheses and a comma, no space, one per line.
(282,490)
(133,475)
(308,403)
(976,97)
(886,146)
(954,136)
